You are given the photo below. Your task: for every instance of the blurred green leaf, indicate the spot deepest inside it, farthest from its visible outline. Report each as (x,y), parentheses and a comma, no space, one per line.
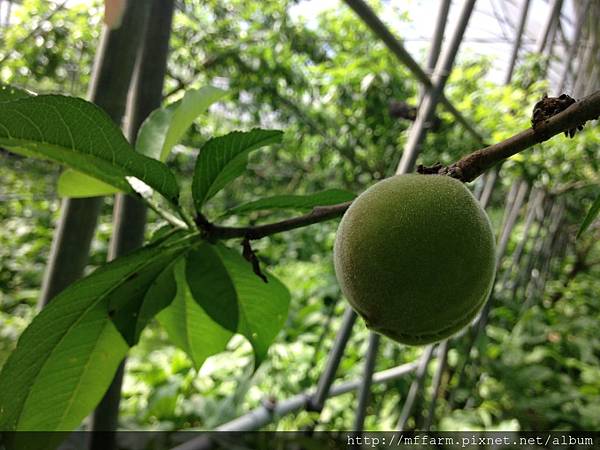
(223,159)
(165,127)
(73,183)
(324,198)
(589,218)
(10,93)
(159,296)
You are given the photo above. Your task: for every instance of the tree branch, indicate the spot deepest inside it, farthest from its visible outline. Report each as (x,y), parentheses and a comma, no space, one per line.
(465,170)
(318,214)
(473,165)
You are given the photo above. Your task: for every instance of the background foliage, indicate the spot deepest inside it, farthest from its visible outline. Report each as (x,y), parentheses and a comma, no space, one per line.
(536,367)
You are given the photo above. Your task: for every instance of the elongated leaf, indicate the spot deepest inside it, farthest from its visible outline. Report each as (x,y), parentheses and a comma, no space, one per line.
(151,136)
(67,356)
(223,159)
(10,93)
(189,326)
(133,304)
(231,294)
(80,135)
(324,198)
(590,217)
(72,183)
(159,296)
(165,127)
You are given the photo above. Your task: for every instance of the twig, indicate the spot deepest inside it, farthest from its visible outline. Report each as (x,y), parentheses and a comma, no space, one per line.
(319,214)
(465,170)
(250,255)
(174,221)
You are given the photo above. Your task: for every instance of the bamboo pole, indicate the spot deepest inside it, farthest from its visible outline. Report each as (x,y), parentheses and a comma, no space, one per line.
(317,400)
(507,228)
(531,283)
(512,208)
(523,276)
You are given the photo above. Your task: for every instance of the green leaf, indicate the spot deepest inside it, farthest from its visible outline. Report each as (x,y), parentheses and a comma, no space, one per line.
(165,127)
(189,326)
(223,159)
(66,358)
(324,198)
(590,217)
(151,135)
(231,294)
(139,298)
(80,135)
(10,93)
(159,296)
(72,183)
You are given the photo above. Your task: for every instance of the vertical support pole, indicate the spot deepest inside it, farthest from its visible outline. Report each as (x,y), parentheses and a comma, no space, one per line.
(514,209)
(523,275)
(436,42)
(442,71)
(488,187)
(548,260)
(585,65)
(581,17)
(534,203)
(517,43)
(364,390)
(536,284)
(7,15)
(442,359)
(317,401)
(129,212)
(111,78)
(533,271)
(594,79)
(552,18)
(415,387)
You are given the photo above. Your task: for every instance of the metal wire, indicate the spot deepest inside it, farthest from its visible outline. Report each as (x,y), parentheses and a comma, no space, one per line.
(265,414)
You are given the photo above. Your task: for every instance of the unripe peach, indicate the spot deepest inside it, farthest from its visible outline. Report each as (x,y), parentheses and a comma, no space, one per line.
(415,257)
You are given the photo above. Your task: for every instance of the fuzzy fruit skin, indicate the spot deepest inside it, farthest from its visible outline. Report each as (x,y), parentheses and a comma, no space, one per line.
(415,257)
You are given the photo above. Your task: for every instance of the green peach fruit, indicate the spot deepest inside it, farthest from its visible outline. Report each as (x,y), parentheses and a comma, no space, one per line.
(415,257)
